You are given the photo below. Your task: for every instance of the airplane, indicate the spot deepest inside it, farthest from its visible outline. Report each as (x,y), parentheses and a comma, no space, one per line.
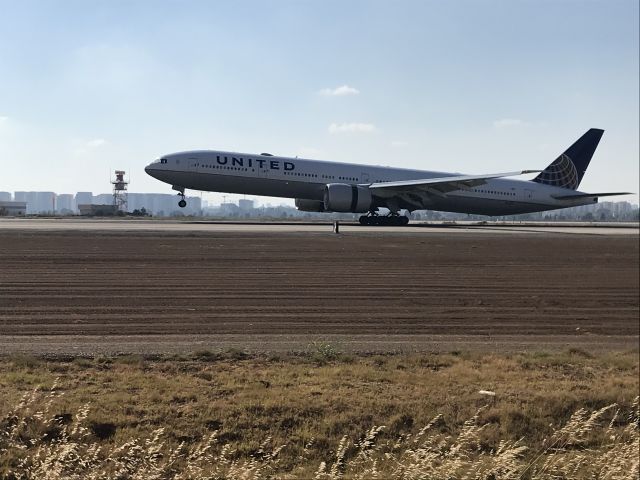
(322,186)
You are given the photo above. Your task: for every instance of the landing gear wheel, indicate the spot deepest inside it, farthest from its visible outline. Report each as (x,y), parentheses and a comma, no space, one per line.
(384,221)
(182,203)
(371,218)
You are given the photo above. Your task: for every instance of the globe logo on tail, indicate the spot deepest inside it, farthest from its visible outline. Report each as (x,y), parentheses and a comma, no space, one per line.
(561,173)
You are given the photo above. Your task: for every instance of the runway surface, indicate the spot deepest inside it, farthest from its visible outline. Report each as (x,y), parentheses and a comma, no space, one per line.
(70,287)
(153,225)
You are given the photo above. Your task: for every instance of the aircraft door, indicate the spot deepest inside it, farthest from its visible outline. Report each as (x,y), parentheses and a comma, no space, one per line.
(261,167)
(364,177)
(528,195)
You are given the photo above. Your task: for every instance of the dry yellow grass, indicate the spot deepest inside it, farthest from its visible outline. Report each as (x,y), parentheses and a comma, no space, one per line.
(420,416)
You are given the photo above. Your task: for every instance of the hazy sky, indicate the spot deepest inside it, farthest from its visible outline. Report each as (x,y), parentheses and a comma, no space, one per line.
(470,86)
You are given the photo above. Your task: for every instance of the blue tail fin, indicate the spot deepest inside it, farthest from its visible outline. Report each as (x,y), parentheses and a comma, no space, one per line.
(567,170)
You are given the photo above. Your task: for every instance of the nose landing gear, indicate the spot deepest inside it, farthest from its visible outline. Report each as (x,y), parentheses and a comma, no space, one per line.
(182,203)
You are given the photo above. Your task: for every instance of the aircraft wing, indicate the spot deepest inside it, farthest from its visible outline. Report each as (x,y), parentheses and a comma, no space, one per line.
(443,185)
(586,195)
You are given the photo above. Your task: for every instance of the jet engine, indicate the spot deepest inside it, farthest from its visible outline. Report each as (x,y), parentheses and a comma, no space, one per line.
(340,197)
(305,205)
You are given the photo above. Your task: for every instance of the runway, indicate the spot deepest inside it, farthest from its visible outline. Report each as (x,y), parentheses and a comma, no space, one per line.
(88,287)
(416,227)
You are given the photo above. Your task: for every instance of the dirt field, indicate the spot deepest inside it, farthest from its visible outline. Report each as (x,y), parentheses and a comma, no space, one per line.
(85,293)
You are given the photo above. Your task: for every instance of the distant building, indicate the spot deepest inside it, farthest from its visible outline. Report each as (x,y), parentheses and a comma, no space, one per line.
(194,206)
(37,202)
(245,205)
(138,201)
(5,196)
(84,198)
(157,204)
(29,198)
(103,199)
(13,209)
(45,202)
(97,210)
(229,209)
(65,204)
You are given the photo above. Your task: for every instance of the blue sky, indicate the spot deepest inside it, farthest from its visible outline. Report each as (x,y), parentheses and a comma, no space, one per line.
(470,86)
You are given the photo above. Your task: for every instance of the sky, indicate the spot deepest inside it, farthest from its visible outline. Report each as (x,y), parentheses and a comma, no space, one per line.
(90,86)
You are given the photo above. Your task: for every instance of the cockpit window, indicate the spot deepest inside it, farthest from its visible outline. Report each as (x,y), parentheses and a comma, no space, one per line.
(163,160)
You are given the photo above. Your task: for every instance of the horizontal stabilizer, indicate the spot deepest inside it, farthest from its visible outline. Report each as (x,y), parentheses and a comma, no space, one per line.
(575,196)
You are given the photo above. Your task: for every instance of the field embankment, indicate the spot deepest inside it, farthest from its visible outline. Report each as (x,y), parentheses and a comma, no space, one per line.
(323,415)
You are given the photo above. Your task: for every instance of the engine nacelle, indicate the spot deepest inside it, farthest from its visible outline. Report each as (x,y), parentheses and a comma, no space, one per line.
(341,197)
(305,205)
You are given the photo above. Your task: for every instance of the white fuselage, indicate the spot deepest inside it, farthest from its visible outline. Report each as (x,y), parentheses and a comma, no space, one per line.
(263,174)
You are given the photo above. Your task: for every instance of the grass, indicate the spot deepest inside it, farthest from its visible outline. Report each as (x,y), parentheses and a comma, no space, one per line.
(323,415)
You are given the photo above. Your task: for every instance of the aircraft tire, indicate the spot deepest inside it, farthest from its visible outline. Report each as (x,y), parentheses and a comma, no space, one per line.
(182,203)
(384,221)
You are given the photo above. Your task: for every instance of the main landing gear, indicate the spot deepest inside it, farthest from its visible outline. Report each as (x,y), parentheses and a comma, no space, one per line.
(182,203)
(391,220)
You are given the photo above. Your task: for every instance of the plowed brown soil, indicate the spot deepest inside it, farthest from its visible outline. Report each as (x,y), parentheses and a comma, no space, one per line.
(100,292)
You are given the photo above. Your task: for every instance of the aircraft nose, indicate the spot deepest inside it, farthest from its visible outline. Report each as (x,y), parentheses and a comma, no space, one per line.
(151,171)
